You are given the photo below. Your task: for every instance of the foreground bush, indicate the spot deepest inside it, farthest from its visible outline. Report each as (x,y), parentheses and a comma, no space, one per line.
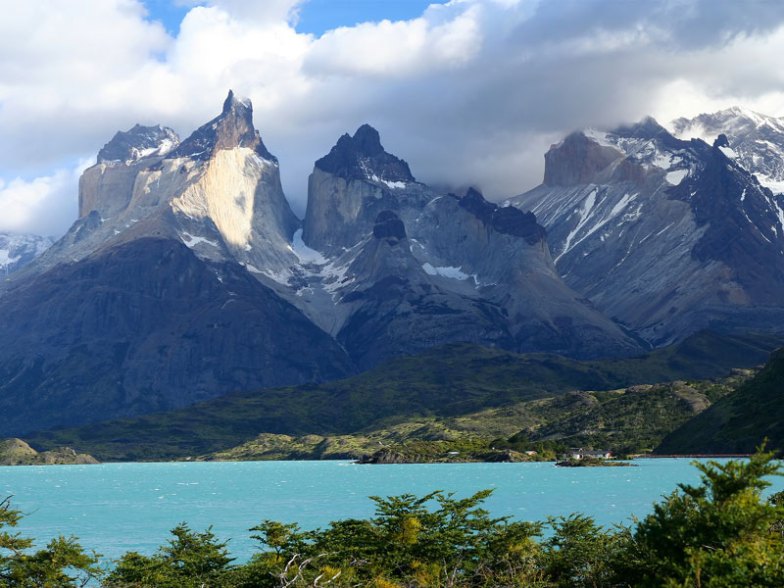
(720,533)
(62,564)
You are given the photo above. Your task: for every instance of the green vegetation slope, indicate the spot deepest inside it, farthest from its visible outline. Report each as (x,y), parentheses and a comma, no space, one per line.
(443,384)
(739,422)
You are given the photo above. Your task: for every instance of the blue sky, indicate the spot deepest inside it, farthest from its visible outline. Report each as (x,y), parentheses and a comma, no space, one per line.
(316,16)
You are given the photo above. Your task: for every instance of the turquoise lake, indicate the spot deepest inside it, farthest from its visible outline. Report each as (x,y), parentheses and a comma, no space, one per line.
(114,508)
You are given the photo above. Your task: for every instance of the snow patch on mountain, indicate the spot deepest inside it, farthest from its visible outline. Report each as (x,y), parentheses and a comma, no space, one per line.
(192,241)
(454,273)
(6,259)
(676,177)
(585,215)
(388,183)
(728,152)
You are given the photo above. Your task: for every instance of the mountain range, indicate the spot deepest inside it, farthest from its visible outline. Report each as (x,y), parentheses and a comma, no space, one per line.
(187,276)
(664,235)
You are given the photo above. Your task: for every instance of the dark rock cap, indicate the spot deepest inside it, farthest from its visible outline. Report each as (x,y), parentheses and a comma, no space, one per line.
(233,127)
(128,145)
(362,157)
(508,219)
(367,141)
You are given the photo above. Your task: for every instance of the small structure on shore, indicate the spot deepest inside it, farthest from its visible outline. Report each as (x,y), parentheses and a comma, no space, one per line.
(582,453)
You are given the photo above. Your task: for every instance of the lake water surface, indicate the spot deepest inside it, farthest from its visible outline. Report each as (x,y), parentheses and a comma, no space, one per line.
(114,508)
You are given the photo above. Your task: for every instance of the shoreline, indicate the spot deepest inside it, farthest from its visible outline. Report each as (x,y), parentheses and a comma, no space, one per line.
(354,461)
(693,455)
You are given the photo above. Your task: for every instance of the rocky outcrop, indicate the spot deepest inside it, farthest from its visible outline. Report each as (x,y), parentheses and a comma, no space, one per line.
(506,220)
(218,192)
(395,307)
(17,452)
(577,160)
(362,157)
(231,129)
(386,457)
(350,186)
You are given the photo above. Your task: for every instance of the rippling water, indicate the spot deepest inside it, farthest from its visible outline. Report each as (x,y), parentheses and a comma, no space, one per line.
(114,508)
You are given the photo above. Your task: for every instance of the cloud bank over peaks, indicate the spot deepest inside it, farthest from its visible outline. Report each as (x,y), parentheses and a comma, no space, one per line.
(470,92)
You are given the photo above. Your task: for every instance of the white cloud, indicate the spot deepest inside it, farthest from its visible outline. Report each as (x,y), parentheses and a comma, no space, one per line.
(43,205)
(471,92)
(257,11)
(394,49)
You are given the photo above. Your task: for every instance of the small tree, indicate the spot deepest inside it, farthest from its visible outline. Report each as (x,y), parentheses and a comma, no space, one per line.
(579,553)
(718,533)
(62,564)
(191,559)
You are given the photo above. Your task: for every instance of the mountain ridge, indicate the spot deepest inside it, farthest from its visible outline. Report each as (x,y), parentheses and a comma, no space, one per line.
(665,235)
(653,238)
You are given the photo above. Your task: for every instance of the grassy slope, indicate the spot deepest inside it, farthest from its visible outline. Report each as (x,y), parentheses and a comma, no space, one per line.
(739,422)
(446,382)
(630,420)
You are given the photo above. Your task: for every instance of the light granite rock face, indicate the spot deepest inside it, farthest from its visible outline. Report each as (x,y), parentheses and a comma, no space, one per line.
(670,237)
(218,192)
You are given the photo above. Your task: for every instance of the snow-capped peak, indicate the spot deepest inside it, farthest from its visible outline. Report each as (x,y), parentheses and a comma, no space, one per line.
(756,140)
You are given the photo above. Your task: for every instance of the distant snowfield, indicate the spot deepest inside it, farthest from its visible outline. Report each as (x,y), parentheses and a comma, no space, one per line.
(6,259)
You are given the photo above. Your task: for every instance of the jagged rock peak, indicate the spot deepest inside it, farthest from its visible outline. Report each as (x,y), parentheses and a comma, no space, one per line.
(234,102)
(138,142)
(507,219)
(232,128)
(362,157)
(389,226)
(367,141)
